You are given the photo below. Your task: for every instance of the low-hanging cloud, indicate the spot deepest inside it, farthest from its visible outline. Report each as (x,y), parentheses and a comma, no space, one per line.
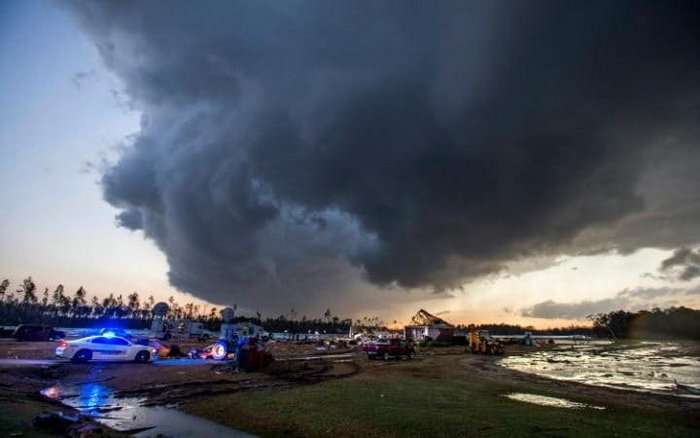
(683,265)
(287,147)
(627,299)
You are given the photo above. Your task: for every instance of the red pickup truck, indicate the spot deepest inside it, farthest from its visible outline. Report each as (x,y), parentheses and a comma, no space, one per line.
(389,348)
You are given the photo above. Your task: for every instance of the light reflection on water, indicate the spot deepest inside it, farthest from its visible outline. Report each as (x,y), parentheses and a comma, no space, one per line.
(129,413)
(93,397)
(554,402)
(644,366)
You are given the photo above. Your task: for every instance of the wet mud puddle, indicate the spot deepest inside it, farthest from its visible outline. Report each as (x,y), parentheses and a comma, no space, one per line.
(131,415)
(554,402)
(664,367)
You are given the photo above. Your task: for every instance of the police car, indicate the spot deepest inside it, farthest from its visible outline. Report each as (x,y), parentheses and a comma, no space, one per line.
(104,347)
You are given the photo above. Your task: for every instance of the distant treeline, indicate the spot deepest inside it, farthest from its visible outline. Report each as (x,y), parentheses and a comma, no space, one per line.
(59,308)
(514,329)
(26,305)
(671,323)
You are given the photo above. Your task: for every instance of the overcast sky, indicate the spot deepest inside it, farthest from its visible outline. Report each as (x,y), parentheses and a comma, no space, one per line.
(503,161)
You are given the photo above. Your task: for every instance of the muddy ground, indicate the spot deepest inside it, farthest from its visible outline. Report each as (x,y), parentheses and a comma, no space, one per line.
(183,382)
(167,379)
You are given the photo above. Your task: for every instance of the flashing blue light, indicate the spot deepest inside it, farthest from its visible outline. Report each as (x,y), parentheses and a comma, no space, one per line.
(92,397)
(108,335)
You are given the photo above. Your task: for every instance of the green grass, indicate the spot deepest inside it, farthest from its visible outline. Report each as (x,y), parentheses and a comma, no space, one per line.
(16,419)
(409,406)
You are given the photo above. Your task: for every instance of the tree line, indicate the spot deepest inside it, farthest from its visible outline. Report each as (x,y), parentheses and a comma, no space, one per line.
(516,329)
(60,308)
(672,323)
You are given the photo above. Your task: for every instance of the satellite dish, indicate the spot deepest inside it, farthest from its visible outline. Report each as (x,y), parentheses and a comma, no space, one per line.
(160,309)
(227,314)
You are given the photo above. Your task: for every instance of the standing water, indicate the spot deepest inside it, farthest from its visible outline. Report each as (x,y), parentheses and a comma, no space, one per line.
(130,414)
(646,366)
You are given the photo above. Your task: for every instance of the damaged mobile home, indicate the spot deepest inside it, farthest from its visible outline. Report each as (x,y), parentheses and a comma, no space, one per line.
(426,326)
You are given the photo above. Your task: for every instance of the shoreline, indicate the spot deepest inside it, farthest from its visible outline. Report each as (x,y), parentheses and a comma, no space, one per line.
(639,397)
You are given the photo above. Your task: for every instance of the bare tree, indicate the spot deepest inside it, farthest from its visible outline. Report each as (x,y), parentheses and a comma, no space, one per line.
(134,302)
(28,291)
(3,288)
(57,296)
(45,295)
(79,300)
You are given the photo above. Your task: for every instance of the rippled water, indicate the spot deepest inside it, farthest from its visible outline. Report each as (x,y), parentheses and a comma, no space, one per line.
(647,366)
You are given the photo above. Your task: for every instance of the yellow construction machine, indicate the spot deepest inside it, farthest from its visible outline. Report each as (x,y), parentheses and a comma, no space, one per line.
(480,342)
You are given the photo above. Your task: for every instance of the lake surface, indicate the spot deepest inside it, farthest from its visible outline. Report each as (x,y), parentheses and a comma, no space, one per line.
(644,366)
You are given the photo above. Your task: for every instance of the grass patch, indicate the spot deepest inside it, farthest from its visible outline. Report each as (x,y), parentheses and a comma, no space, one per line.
(16,419)
(417,406)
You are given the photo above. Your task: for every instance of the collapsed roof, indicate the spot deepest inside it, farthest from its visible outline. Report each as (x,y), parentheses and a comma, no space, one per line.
(423,317)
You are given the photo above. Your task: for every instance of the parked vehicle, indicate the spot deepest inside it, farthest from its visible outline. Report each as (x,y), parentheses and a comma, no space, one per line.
(113,348)
(248,329)
(180,329)
(37,333)
(6,332)
(114,331)
(388,348)
(481,342)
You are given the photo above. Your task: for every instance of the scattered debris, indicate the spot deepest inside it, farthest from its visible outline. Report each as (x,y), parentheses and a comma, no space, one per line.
(175,351)
(687,388)
(425,326)
(55,421)
(82,430)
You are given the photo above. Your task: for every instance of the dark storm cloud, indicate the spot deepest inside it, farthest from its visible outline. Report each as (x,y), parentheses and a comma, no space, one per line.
(427,144)
(553,310)
(627,299)
(683,265)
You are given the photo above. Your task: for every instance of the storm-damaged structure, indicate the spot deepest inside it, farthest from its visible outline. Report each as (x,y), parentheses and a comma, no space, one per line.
(426,326)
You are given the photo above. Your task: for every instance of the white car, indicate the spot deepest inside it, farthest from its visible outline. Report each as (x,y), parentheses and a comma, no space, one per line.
(104,347)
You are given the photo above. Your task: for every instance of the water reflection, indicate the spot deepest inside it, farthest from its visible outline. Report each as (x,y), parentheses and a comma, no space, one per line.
(643,366)
(52,392)
(128,414)
(550,401)
(93,398)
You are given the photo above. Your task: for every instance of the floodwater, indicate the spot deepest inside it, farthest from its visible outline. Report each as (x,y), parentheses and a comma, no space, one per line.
(644,366)
(129,414)
(550,401)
